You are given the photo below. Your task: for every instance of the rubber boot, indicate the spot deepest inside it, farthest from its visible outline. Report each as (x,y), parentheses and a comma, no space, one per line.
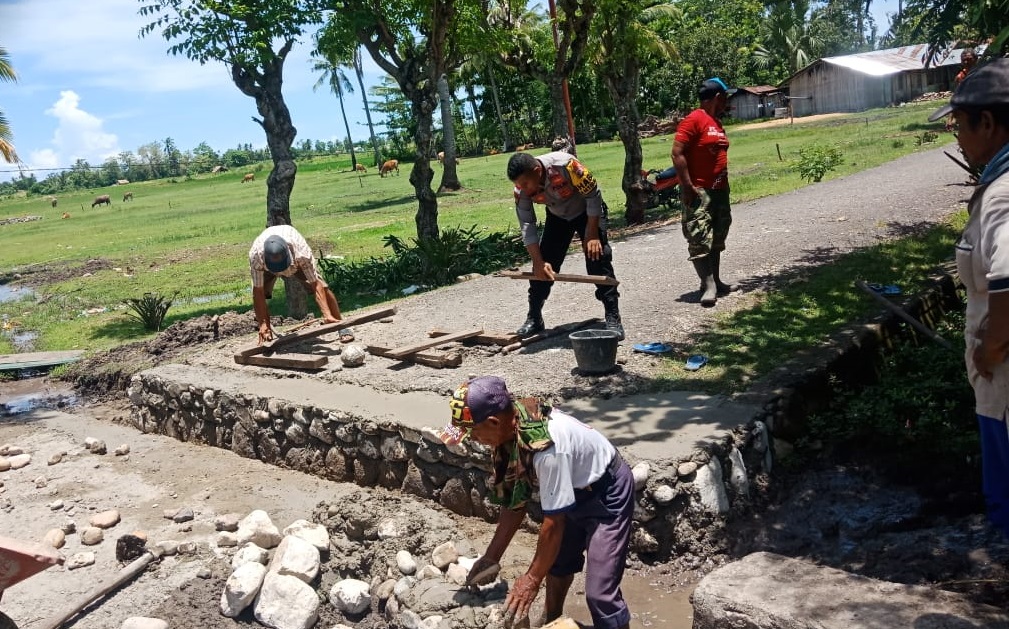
(721,287)
(709,292)
(534,319)
(613,322)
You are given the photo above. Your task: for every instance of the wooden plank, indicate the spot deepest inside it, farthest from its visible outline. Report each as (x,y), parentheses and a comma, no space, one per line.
(436,360)
(562,277)
(319,331)
(545,334)
(487,338)
(287,361)
(401,352)
(39,359)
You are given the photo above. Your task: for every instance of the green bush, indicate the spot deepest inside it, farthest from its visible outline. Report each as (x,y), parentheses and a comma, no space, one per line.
(149,310)
(927,137)
(897,144)
(816,161)
(431,262)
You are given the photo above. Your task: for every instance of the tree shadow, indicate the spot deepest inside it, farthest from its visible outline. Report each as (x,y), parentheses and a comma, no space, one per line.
(377,204)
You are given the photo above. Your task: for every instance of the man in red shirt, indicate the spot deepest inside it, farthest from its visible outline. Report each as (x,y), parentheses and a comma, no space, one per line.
(700,155)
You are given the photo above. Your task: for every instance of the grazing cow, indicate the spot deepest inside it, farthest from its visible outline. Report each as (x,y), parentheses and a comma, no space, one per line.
(52,200)
(360,168)
(127,197)
(102,200)
(249,177)
(389,166)
(441,158)
(66,215)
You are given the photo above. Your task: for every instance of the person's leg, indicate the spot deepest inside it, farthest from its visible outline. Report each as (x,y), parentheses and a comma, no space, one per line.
(720,211)
(557,591)
(995,470)
(697,229)
(606,555)
(570,561)
(608,295)
(554,243)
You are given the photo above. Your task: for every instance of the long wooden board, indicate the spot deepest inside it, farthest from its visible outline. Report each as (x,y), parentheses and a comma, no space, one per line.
(287,361)
(488,338)
(552,332)
(428,359)
(563,277)
(319,331)
(38,359)
(402,352)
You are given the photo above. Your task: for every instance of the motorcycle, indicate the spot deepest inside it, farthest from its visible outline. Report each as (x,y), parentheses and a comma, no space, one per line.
(662,187)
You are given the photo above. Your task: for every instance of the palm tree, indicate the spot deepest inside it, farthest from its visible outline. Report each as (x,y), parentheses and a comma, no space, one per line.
(359,71)
(789,36)
(6,137)
(333,75)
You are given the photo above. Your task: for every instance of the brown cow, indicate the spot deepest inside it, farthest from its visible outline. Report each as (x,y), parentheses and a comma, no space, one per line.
(127,197)
(102,200)
(53,201)
(66,215)
(388,167)
(441,158)
(249,177)
(360,168)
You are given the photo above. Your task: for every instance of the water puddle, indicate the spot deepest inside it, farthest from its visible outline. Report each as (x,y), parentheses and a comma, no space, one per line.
(15,293)
(24,341)
(652,603)
(22,396)
(206,299)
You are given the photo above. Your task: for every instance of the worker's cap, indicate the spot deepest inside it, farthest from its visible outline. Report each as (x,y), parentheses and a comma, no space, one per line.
(472,403)
(276,255)
(987,85)
(713,87)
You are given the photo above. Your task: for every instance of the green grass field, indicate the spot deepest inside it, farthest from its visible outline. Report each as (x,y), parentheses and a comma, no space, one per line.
(190,238)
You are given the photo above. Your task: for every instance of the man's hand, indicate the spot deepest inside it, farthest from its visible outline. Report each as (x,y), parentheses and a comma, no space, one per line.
(484,571)
(689,196)
(543,271)
(593,248)
(987,358)
(266,332)
(521,596)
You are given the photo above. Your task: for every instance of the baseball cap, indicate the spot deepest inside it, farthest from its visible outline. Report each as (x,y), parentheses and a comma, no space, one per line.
(276,255)
(472,403)
(987,85)
(712,87)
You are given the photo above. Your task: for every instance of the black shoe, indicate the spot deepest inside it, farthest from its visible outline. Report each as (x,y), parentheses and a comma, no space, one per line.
(533,325)
(614,324)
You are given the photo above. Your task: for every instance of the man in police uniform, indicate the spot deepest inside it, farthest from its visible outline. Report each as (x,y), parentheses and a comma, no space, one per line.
(574,206)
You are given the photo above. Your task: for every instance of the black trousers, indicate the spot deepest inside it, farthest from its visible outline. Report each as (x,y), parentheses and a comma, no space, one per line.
(554,243)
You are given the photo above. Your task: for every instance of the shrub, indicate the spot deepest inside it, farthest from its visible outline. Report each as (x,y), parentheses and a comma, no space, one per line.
(897,144)
(149,310)
(927,137)
(816,161)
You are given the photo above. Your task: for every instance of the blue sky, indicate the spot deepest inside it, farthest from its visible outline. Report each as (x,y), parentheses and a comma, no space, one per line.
(90,88)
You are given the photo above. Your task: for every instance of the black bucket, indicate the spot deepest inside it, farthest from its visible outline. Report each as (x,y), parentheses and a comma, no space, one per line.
(595,350)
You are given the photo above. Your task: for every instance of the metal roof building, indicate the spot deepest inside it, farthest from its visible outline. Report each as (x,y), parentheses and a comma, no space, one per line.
(869,79)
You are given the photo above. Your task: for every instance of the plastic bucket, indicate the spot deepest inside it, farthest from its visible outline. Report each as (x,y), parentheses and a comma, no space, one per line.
(595,350)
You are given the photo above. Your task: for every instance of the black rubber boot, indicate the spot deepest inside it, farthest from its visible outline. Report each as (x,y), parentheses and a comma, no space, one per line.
(534,320)
(721,287)
(709,292)
(613,322)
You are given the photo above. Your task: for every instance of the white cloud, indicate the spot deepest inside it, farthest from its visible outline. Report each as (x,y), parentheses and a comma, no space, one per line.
(79,135)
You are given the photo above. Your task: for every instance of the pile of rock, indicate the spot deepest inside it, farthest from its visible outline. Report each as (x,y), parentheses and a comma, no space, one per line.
(931,96)
(19,219)
(653,125)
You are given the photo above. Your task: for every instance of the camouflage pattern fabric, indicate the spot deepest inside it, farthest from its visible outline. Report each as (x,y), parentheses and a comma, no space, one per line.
(514,474)
(706,223)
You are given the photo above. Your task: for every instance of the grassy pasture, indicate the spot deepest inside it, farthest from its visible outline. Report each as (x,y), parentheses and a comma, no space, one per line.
(190,237)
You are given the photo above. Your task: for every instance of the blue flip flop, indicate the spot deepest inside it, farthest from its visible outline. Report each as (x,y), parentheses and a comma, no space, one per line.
(654,347)
(885,289)
(696,361)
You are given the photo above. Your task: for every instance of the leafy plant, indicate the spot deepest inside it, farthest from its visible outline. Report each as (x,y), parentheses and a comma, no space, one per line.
(816,161)
(150,309)
(926,137)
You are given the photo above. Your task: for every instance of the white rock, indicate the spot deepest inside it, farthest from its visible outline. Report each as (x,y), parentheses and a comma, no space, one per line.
(258,529)
(9,450)
(249,553)
(227,522)
(297,558)
(737,473)
(663,494)
(5,464)
(91,535)
(456,574)
(80,560)
(122,450)
(390,528)
(169,547)
(226,539)
(353,355)
(443,555)
(286,603)
(314,534)
(19,461)
(467,562)
(405,562)
(711,487)
(55,538)
(686,469)
(350,596)
(431,622)
(640,473)
(141,622)
(105,519)
(241,588)
(429,572)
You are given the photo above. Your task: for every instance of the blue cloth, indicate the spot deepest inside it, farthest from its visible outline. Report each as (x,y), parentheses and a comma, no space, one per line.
(997,166)
(995,470)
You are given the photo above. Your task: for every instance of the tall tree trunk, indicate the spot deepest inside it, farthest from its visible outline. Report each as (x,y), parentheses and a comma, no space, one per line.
(423,100)
(471,96)
(346,125)
(449,178)
(622,82)
(559,117)
(280,134)
(359,70)
(505,143)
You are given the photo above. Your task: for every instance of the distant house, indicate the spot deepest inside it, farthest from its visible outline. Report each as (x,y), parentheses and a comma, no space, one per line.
(869,79)
(757,101)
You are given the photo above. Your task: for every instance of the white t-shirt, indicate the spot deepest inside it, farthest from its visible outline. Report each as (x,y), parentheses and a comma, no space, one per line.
(578,458)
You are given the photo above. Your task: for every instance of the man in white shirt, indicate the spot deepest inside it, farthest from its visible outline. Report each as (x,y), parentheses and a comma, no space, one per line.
(585,488)
(281,251)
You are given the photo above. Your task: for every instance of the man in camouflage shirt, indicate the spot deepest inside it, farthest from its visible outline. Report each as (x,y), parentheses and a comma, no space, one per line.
(574,206)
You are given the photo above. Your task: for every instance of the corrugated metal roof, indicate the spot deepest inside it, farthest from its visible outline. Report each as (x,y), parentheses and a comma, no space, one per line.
(759,89)
(892,60)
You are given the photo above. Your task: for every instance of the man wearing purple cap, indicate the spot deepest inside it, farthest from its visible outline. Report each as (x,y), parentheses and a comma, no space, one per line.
(701,157)
(586,491)
(281,251)
(980,108)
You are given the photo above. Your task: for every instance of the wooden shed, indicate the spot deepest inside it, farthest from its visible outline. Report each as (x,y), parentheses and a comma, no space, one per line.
(869,79)
(756,101)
